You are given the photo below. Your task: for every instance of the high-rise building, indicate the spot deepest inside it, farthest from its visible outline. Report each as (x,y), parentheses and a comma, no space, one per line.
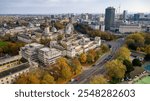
(125,13)
(137,16)
(109,17)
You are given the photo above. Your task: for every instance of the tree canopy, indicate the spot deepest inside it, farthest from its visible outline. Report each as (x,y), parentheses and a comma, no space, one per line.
(98,80)
(115,69)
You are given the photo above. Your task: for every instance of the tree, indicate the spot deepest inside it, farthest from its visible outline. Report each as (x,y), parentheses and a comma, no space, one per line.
(60,37)
(83,58)
(147,39)
(123,54)
(47,79)
(45,41)
(147,57)
(23,79)
(98,80)
(66,73)
(65,69)
(58,25)
(33,79)
(136,62)
(129,67)
(91,56)
(76,65)
(137,40)
(147,49)
(115,69)
(104,48)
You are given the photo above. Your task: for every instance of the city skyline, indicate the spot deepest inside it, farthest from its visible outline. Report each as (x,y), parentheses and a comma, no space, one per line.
(71,6)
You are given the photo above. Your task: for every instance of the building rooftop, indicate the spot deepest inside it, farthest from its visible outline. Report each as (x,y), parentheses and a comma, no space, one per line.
(35,44)
(46,49)
(9,59)
(14,70)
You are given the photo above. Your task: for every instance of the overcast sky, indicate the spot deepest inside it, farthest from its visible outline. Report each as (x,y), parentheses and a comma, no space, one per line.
(70,6)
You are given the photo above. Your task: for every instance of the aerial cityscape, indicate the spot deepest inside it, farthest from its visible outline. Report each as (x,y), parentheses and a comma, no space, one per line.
(75,42)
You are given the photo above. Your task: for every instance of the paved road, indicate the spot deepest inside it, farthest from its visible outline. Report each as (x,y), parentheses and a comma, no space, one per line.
(99,67)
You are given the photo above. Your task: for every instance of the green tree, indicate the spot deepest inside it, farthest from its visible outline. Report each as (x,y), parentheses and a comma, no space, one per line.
(147,57)
(98,80)
(129,67)
(136,62)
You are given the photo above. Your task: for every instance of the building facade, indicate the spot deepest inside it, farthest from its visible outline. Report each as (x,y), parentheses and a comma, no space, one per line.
(30,51)
(48,55)
(109,17)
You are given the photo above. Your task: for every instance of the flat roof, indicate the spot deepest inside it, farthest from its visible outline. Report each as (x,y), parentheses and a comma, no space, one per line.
(14,70)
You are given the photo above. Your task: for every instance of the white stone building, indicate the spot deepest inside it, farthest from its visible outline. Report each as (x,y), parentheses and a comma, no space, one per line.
(9,76)
(48,55)
(9,62)
(30,51)
(130,28)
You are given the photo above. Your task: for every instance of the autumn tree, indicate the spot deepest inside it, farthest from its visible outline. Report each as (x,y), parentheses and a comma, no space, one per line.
(64,67)
(135,40)
(76,65)
(104,48)
(45,41)
(123,54)
(98,80)
(47,79)
(147,49)
(59,25)
(60,37)
(66,72)
(23,79)
(91,56)
(115,69)
(83,58)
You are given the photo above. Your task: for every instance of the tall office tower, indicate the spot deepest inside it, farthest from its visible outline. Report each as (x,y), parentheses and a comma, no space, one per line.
(125,15)
(109,17)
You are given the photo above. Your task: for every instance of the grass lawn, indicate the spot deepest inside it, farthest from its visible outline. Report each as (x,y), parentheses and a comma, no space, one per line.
(145,80)
(2,43)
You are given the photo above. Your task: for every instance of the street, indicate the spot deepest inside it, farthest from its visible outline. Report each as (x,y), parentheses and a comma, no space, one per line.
(85,76)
